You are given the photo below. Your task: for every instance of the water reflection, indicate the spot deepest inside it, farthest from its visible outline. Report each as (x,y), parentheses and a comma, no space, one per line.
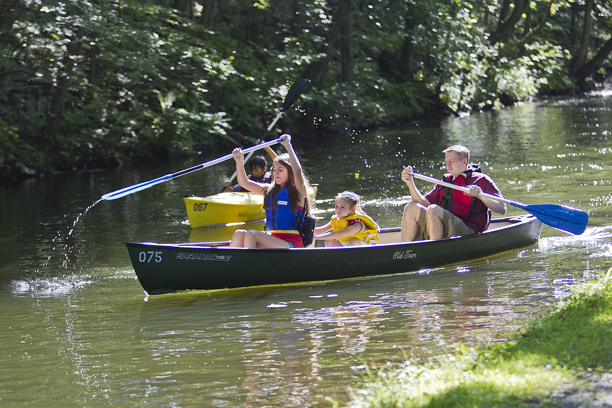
(76,328)
(229,348)
(293,353)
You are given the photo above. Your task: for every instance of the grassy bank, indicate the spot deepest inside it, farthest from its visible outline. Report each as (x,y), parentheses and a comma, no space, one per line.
(531,369)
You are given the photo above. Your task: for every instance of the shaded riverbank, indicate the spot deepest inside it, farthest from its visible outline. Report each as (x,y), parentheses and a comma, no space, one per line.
(92,82)
(561,359)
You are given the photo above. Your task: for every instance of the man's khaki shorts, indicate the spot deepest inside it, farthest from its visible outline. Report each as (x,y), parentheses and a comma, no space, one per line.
(453,226)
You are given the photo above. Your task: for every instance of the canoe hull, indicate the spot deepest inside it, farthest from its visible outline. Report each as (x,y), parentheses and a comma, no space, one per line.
(163,268)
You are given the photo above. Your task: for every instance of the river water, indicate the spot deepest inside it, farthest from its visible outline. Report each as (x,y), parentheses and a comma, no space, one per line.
(78,330)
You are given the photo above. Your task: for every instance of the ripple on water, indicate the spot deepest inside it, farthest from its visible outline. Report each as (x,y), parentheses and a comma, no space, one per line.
(68,283)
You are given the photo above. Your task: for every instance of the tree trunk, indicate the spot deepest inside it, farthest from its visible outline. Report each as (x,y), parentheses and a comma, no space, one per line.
(527,22)
(55,115)
(8,14)
(345,23)
(93,65)
(593,65)
(531,31)
(184,6)
(580,56)
(210,9)
(506,27)
(407,49)
(504,11)
(315,71)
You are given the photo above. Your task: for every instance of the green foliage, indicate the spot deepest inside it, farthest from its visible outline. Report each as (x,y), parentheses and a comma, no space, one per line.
(86,82)
(111,79)
(14,152)
(576,336)
(524,371)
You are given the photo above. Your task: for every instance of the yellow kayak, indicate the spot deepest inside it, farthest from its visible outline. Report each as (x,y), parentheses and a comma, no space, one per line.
(227,208)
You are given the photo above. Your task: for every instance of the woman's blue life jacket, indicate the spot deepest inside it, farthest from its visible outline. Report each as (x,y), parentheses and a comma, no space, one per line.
(282,218)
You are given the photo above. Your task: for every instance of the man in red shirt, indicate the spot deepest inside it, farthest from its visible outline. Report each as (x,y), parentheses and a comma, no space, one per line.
(446,212)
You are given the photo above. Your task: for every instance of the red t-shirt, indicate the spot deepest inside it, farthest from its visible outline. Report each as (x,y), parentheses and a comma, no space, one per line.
(478,222)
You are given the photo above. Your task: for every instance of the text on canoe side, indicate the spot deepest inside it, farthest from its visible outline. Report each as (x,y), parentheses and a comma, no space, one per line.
(156,256)
(407,254)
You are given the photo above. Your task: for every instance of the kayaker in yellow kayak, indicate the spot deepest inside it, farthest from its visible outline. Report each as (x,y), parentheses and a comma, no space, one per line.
(284,200)
(259,171)
(259,174)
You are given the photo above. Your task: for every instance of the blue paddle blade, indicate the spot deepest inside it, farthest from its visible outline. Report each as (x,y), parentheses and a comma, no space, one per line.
(562,217)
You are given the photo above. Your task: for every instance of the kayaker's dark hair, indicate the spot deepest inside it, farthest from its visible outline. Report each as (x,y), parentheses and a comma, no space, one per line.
(294,194)
(258,161)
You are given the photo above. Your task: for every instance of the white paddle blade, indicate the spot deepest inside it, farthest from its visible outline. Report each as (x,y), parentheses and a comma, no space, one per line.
(135,188)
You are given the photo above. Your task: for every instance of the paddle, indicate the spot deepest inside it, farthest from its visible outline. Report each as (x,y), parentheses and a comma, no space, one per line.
(294,92)
(562,217)
(144,185)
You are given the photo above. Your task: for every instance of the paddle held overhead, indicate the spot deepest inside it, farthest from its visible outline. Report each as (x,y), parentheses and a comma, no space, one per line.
(294,92)
(144,185)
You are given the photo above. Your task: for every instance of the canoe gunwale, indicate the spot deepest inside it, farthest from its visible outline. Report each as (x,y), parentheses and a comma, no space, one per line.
(511,221)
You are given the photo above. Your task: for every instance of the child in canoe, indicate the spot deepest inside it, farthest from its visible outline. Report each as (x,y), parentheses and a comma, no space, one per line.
(350,226)
(284,201)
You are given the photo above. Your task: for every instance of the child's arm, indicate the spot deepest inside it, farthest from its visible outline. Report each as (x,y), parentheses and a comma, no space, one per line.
(268,150)
(347,232)
(322,229)
(228,185)
(241,176)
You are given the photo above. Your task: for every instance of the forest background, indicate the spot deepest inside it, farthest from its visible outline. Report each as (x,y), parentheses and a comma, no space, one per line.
(86,83)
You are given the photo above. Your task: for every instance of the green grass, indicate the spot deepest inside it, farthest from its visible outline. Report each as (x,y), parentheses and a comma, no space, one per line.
(525,371)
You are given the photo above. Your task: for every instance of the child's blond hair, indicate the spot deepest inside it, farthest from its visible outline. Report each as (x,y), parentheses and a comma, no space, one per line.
(353,199)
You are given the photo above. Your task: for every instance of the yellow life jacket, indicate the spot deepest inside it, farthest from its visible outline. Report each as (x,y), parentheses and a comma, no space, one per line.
(370,235)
